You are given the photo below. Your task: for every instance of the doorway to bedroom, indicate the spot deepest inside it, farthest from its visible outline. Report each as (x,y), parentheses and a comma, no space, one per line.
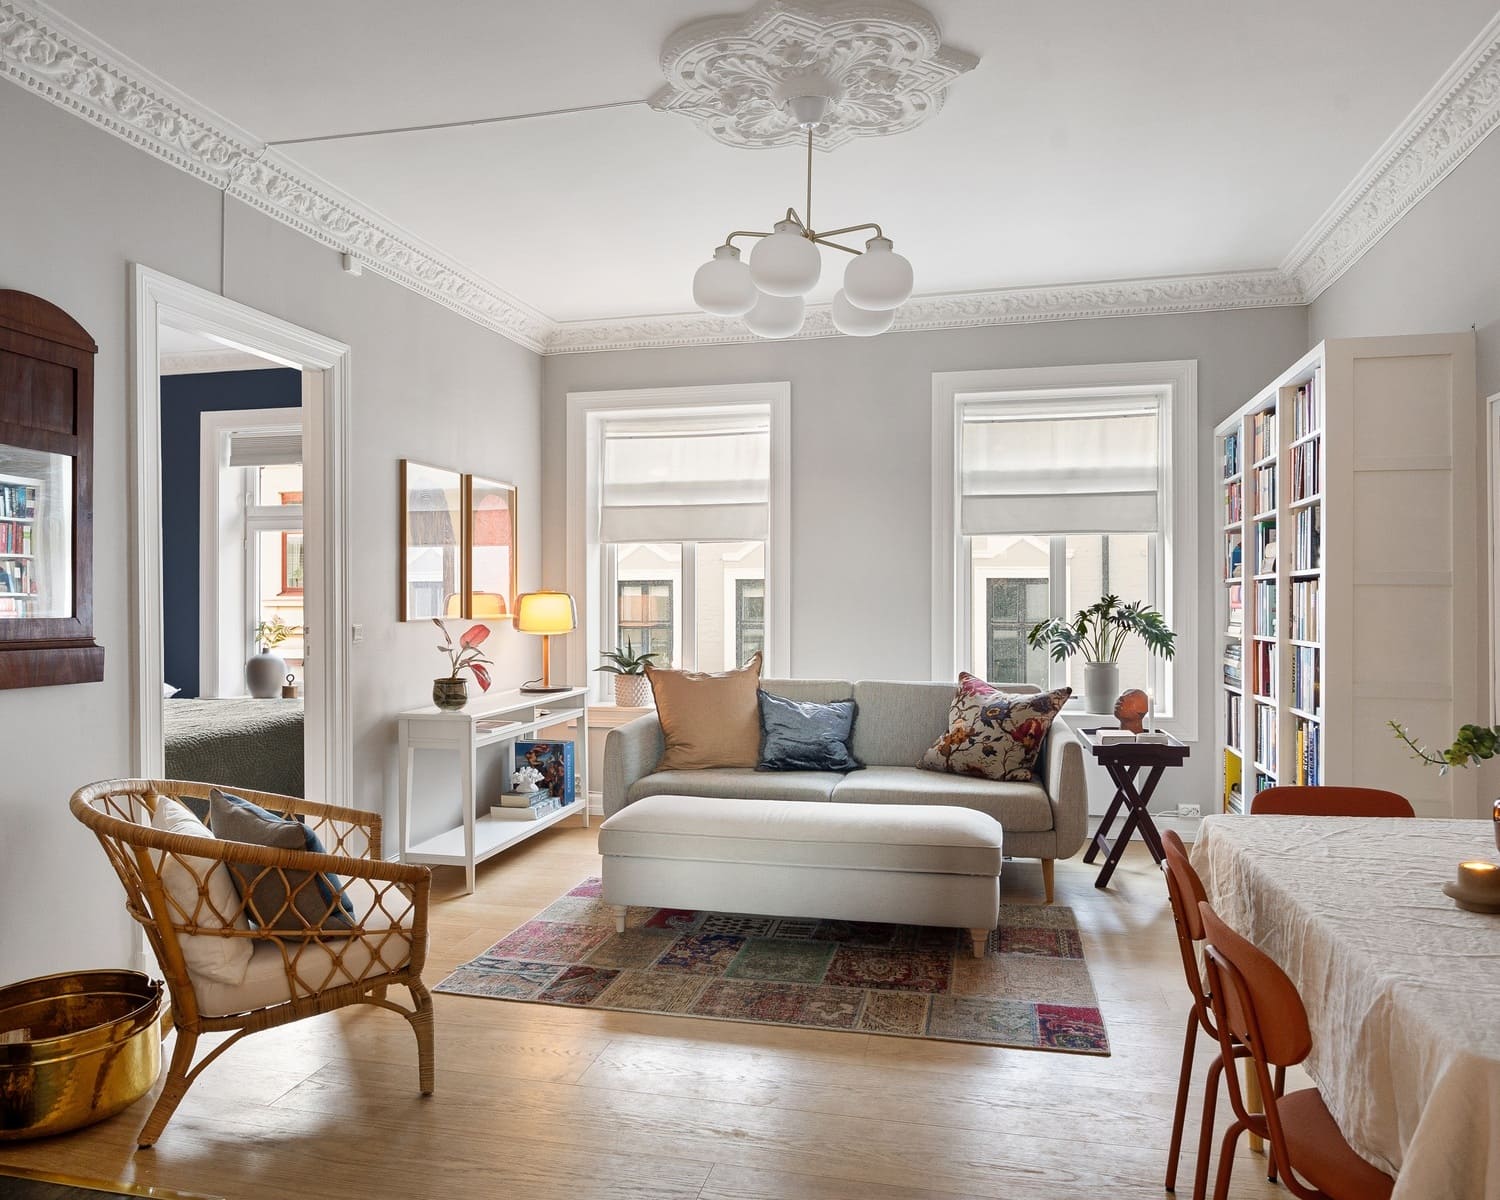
(240,655)
(234,567)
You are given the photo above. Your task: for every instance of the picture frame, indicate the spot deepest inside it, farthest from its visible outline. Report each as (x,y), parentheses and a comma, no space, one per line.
(433,559)
(490,548)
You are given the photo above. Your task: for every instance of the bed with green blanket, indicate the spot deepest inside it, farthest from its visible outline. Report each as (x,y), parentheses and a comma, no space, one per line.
(252,744)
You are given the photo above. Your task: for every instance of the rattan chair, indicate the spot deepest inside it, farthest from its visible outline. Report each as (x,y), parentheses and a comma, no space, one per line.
(292,973)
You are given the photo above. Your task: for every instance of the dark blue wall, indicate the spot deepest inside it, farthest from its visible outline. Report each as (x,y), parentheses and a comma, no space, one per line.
(184,398)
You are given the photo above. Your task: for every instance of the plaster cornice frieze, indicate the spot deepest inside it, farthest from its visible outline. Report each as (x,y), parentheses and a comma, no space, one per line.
(961,310)
(46,54)
(1460,111)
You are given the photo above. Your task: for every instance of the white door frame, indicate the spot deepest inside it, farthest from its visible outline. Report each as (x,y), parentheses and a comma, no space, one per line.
(325,436)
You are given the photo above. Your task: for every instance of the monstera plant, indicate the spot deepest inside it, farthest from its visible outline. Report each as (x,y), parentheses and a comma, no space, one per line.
(1099,633)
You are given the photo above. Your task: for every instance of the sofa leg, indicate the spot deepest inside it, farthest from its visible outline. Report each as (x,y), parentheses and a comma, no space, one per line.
(1047,864)
(620,911)
(980,938)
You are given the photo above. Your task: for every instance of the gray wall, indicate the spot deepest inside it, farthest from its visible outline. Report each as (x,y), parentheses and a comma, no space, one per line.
(861,471)
(78,206)
(1438,271)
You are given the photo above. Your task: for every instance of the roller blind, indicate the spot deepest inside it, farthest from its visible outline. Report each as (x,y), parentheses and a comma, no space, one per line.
(1069,465)
(265,447)
(685,478)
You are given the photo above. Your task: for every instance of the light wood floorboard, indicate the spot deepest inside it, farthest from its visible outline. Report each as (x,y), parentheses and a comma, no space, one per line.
(543,1102)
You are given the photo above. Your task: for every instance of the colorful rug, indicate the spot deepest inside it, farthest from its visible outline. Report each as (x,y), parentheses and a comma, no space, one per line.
(1031,990)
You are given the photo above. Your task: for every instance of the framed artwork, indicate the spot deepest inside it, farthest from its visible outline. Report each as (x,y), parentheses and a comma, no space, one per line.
(432,542)
(490,506)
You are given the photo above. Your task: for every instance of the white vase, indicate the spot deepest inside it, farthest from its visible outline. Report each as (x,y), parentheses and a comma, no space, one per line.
(632,691)
(264,674)
(1101,686)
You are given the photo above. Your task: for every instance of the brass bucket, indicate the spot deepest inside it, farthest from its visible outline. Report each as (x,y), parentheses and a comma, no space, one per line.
(75,1048)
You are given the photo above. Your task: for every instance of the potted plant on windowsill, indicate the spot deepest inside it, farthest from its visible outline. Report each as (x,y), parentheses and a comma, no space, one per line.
(451,692)
(1098,632)
(265,671)
(632,688)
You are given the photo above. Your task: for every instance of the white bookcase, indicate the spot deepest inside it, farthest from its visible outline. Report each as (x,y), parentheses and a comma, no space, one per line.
(1346,585)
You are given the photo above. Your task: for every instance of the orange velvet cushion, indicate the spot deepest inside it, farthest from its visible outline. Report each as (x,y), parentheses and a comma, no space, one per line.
(708,720)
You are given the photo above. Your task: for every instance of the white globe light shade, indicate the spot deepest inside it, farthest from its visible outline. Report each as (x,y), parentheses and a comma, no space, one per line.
(860,322)
(775,316)
(879,278)
(723,286)
(786,263)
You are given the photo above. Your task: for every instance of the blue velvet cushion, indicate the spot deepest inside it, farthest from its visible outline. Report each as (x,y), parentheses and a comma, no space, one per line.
(798,735)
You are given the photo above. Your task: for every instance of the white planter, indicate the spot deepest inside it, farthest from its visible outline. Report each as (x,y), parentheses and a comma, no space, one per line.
(632,691)
(264,675)
(1101,686)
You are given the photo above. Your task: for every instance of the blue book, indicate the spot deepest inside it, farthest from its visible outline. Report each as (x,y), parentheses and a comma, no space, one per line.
(555,761)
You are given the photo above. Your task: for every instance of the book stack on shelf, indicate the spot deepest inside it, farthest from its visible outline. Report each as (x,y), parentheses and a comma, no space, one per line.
(525,806)
(1262,435)
(1233,668)
(1307,532)
(1306,770)
(1265,738)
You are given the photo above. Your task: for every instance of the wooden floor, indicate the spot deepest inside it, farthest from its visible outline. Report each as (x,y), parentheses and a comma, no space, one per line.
(537,1102)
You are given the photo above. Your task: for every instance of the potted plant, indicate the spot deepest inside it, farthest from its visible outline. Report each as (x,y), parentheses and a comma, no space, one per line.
(265,671)
(1098,632)
(451,692)
(1473,744)
(632,689)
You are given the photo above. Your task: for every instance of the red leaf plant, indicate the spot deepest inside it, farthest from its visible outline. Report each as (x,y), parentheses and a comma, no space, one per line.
(466,656)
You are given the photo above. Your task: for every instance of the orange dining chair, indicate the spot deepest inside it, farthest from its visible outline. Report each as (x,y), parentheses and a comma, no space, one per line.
(1319,801)
(1260,1017)
(1185,891)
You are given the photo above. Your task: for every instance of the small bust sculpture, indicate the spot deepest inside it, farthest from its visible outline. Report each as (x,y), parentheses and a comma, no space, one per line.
(1131,709)
(526,779)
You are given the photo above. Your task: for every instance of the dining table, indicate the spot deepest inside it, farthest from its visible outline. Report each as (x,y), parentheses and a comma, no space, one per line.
(1401,986)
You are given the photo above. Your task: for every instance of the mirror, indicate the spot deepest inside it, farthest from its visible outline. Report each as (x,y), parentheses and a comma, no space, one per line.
(492,548)
(432,523)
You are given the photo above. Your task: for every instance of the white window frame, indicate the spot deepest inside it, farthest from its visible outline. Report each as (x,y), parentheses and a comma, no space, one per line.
(579,651)
(227,516)
(1175,384)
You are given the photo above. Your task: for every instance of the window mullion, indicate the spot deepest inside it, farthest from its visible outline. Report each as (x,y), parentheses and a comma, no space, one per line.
(687,623)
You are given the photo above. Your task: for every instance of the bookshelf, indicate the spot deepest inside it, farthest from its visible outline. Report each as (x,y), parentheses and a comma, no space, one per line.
(1344,566)
(21,587)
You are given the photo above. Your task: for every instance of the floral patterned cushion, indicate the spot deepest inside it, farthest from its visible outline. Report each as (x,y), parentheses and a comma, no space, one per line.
(994,734)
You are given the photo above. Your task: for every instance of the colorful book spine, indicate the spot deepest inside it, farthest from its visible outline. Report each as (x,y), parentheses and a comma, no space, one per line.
(555,761)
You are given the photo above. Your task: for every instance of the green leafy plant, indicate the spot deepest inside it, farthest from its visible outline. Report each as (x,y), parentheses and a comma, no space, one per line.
(1098,632)
(272,633)
(1473,744)
(625,661)
(466,655)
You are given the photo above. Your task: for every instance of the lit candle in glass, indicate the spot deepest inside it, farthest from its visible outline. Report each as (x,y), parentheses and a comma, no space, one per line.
(1497,824)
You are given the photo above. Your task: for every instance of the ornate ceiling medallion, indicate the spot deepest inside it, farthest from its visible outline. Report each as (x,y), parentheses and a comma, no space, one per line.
(882,67)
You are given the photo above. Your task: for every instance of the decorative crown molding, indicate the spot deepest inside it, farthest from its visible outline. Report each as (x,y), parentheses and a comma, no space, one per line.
(960,310)
(1460,111)
(45,53)
(882,65)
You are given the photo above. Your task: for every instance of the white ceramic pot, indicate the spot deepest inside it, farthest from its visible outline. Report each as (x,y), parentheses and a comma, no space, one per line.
(264,674)
(632,691)
(1101,686)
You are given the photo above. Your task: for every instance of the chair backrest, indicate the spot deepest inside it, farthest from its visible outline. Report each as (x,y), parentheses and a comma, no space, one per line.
(1320,801)
(1253,999)
(1185,891)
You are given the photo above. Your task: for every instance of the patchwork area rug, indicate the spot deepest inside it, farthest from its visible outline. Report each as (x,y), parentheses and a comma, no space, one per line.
(1031,990)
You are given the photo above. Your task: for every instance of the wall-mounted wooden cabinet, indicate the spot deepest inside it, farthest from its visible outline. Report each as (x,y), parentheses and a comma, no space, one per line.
(46,496)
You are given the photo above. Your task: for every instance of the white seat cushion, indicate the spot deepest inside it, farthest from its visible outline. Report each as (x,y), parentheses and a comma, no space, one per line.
(886,837)
(1020,807)
(738,783)
(316,967)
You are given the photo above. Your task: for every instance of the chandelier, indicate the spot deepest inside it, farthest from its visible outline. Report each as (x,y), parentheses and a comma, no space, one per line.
(785,265)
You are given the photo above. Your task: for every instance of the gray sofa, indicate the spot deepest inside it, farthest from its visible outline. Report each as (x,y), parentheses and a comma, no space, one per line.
(1046,818)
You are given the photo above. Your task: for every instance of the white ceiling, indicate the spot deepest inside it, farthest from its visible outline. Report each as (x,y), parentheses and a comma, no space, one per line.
(1095,140)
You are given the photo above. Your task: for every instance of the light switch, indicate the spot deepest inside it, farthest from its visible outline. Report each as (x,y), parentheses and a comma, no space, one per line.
(356,633)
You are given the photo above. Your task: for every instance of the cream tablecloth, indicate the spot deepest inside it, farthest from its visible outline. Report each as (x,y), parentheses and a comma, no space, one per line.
(1402,988)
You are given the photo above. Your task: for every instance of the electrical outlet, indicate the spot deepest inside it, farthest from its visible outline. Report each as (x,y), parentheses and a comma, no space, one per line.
(1189,810)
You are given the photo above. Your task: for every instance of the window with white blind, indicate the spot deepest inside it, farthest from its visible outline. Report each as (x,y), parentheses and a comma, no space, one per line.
(678,524)
(1052,488)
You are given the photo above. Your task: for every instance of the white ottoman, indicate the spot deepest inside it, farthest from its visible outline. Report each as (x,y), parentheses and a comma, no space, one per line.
(897,863)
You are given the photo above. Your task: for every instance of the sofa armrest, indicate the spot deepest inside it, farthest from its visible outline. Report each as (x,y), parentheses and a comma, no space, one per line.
(1067,789)
(631,752)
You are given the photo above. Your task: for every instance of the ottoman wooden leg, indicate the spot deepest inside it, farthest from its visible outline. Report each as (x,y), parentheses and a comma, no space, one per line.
(620,911)
(980,938)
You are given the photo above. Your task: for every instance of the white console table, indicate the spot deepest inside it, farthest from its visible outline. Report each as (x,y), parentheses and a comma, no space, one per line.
(496,720)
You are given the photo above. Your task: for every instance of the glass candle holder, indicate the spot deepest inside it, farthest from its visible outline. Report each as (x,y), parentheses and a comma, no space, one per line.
(1497,824)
